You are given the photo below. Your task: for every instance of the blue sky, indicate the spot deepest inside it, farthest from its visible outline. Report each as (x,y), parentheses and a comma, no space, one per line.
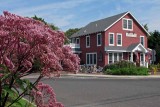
(77,13)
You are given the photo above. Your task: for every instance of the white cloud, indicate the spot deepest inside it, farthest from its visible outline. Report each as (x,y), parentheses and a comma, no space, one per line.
(49,7)
(77,13)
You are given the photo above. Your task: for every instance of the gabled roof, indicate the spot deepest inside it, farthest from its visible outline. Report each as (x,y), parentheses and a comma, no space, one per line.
(102,25)
(132,46)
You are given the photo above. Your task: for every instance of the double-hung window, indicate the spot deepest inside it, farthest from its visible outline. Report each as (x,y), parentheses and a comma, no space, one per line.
(87,41)
(127,24)
(142,40)
(99,39)
(111,39)
(119,39)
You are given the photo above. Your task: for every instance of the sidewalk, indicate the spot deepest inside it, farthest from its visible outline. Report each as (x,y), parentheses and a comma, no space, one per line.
(64,75)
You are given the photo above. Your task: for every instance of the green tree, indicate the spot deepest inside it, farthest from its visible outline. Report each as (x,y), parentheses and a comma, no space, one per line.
(49,24)
(70,32)
(153,43)
(146,26)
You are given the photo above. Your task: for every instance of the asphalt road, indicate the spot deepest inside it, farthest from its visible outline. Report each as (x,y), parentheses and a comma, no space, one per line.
(92,92)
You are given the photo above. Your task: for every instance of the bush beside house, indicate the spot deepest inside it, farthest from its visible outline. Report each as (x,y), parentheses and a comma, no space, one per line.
(124,68)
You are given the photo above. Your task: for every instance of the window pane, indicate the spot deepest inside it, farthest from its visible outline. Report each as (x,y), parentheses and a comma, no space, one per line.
(125,23)
(110,58)
(142,40)
(129,24)
(88,41)
(95,59)
(119,40)
(120,56)
(99,39)
(77,41)
(91,59)
(87,58)
(111,39)
(115,57)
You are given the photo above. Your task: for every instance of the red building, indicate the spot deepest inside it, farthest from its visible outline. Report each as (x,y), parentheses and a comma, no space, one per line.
(106,41)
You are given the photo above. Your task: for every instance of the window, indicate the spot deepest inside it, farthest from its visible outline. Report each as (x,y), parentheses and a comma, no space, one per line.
(87,41)
(114,57)
(124,24)
(127,24)
(120,56)
(111,39)
(77,41)
(99,39)
(110,58)
(142,40)
(119,39)
(91,58)
(73,40)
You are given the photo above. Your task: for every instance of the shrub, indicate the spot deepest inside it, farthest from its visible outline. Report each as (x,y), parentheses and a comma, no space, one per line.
(120,64)
(128,71)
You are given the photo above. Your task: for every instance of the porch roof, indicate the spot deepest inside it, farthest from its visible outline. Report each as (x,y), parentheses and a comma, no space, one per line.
(131,48)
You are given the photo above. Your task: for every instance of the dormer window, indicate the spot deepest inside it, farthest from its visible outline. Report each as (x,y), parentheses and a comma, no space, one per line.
(127,24)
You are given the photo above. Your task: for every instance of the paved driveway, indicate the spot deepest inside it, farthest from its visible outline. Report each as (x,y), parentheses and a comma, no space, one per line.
(94,92)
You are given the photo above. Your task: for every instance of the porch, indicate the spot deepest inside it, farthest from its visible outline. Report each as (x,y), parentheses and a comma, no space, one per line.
(135,53)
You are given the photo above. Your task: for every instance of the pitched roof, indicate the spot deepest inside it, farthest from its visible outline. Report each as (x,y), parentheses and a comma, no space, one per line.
(98,26)
(115,48)
(103,25)
(132,46)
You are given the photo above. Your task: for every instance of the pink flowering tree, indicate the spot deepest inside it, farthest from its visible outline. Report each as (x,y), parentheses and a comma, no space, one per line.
(24,42)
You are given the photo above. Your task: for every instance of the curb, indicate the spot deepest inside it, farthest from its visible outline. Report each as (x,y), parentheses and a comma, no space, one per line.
(100,76)
(112,76)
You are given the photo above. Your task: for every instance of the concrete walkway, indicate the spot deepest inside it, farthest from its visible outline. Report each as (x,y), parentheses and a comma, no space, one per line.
(79,75)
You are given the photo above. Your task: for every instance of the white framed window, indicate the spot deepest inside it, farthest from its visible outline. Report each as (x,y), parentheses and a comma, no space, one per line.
(114,57)
(99,39)
(142,40)
(77,41)
(73,40)
(119,39)
(91,58)
(87,41)
(111,39)
(127,24)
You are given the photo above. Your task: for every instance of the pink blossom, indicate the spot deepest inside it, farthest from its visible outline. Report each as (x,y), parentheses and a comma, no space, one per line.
(24,40)
(1,75)
(45,96)
(8,62)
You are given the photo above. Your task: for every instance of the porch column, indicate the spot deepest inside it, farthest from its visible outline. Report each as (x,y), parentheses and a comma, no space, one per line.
(144,59)
(131,57)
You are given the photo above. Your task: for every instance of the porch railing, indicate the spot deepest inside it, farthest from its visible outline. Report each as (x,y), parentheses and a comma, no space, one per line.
(73,45)
(145,64)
